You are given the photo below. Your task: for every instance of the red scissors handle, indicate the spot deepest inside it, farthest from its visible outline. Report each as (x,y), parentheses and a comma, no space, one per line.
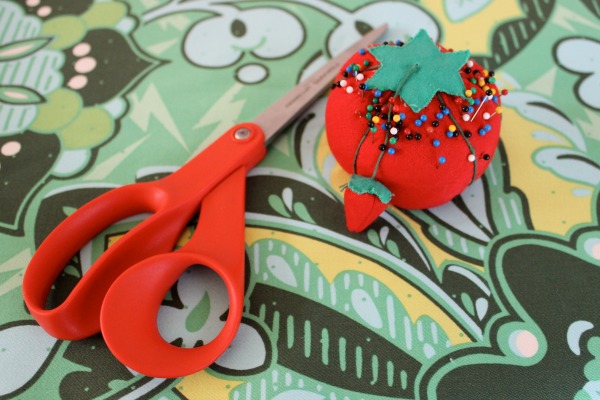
(77,317)
(173,200)
(129,312)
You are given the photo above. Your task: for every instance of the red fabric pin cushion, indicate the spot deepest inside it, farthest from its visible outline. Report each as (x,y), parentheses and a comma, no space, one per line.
(413,123)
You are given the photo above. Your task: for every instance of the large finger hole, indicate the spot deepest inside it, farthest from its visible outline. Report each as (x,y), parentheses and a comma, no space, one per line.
(61,205)
(82,261)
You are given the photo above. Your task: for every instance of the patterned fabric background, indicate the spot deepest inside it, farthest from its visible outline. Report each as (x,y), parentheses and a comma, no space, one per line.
(492,296)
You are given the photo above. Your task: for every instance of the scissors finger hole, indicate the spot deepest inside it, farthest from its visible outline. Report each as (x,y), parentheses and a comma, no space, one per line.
(195,308)
(81,262)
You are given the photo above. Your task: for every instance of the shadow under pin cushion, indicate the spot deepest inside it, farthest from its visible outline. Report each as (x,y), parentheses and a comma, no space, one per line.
(413,123)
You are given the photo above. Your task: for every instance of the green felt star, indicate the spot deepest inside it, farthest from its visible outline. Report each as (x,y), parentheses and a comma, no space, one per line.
(418,70)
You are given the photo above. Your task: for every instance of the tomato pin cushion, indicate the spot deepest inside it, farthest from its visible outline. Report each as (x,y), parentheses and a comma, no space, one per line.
(413,123)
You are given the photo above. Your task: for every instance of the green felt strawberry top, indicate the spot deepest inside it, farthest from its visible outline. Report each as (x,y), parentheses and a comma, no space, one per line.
(363,185)
(418,70)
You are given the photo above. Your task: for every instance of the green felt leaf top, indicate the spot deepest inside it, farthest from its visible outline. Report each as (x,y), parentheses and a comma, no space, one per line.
(418,70)
(363,185)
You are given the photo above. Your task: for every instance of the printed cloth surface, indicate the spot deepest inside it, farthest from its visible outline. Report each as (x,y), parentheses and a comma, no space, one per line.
(494,295)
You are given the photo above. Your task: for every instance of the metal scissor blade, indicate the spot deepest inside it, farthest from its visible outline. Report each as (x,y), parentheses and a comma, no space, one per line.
(293,103)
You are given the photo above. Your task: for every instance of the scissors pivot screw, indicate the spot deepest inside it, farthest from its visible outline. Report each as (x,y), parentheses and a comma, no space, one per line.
(242,134)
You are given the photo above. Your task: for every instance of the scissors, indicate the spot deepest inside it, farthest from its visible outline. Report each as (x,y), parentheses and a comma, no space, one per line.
(121,293)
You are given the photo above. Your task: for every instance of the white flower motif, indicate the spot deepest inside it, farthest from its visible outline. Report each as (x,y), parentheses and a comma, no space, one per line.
(582,56)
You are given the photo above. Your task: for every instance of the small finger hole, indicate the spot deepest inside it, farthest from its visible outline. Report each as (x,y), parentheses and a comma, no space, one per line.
(195,309)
